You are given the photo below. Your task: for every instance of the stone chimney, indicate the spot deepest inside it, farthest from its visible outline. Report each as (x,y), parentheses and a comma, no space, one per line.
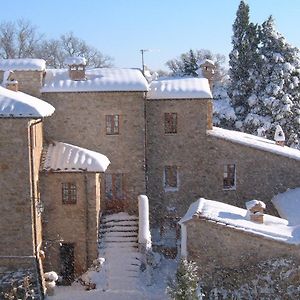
(279,136)
(255,211)
(9,81)
(76,67)
(207,68)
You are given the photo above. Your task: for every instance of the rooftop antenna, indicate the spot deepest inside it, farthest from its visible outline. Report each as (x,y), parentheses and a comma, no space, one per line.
(142,52)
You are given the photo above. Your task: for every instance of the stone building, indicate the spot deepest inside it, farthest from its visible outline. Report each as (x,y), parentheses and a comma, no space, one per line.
(160,140)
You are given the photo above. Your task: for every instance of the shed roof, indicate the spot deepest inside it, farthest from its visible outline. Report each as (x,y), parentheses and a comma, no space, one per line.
(179,88)
(20,105)
(63,157)
(234,217)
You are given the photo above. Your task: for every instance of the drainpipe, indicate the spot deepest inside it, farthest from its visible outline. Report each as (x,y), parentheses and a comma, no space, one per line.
(33,198)
(87,219)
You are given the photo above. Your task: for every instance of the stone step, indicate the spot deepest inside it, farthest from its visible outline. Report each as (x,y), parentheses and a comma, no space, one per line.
(119,239)
(119,233)
(119,228)
(126,245)
(119,223)
(118,217)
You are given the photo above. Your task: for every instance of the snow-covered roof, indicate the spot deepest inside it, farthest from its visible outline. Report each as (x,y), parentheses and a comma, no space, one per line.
(250,204)
(237,218)
(254,142)
(20,105)
(75,61)
(22,64)
(288,205)
(179,88)
(206,61)
(97,80)
(64,157)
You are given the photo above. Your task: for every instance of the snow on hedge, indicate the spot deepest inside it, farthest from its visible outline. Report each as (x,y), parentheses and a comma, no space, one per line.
(288,205)
(22,64)
(180,88)
(97,80)
(20,105)
(65,157)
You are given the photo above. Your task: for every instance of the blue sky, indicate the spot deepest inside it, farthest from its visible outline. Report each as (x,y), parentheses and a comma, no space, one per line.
(120,28)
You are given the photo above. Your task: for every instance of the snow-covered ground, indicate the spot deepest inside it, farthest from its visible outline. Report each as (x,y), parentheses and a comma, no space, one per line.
(142,291)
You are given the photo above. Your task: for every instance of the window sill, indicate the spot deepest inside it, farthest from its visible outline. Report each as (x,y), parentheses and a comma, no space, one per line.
(171,189)
(230,188)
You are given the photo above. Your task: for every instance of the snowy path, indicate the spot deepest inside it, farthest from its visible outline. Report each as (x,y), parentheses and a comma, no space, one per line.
(120,277)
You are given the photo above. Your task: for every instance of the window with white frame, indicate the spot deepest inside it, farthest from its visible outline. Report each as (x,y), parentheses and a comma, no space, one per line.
(229,177)
(171,178)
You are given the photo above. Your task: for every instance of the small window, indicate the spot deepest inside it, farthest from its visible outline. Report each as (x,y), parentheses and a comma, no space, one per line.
(69,193)
(229,178)
(112,124)
(114,186)
(170,123)
(170,178)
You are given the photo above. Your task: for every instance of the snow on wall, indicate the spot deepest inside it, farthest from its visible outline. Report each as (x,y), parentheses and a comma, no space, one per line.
(254,142)
(22,64)
(97,80)
(20,105)
(144,230)
(64,157)
(288,205)
(228,215)
(179,88)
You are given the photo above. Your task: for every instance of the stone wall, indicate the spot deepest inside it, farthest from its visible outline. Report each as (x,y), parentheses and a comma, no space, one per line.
(80,119)
(259,174)
(71,223)
(16,228)
(214,246)
(30,82)
(187,149)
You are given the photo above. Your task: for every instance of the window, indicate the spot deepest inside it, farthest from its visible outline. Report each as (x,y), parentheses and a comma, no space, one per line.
(112,124)
(170,123)
(229,177)
(170,178)
(114,186)
(69,193)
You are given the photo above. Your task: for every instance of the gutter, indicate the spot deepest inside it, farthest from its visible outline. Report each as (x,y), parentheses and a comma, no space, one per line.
(87,219)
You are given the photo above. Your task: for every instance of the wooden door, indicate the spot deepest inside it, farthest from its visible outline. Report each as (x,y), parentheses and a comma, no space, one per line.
(115,199)
(67,263)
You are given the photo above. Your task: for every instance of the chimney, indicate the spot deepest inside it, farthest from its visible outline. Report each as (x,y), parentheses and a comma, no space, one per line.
(9,81)
(255,211)
(76,67)
(207,68)
(279,136)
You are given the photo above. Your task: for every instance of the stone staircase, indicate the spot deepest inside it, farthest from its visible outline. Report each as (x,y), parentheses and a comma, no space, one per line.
(118,237)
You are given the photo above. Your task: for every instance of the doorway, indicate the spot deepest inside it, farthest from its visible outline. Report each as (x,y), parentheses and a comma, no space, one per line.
(115,200)
(67,263)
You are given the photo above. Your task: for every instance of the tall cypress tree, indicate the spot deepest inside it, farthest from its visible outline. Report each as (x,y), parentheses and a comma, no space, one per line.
(243,61)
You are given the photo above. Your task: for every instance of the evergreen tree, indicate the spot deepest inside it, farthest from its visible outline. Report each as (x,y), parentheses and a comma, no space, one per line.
(243,62)
(185,284)
(276,96)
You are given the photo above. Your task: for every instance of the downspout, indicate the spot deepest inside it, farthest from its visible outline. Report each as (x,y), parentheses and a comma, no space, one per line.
(33,197)
(87,219)
(145,143)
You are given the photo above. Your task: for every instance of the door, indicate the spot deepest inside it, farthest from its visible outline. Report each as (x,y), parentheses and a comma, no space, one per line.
(115,200)
(67,263)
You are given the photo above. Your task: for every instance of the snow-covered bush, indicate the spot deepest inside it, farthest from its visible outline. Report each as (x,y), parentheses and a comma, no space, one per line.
(185,284)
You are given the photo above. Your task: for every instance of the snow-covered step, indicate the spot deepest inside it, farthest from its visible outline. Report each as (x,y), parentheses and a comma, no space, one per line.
(119,228)
(118,217)
(119,239)
(128,245)
(120,223)
(120,234)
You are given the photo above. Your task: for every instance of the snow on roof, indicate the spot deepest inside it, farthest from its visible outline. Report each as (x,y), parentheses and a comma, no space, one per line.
(20,105)
(288,205)
(69,158)
(235,217)
(254,142)
(97,80)
(179,88)
(206,61)
(22,64)
(250,204)
(75,61)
